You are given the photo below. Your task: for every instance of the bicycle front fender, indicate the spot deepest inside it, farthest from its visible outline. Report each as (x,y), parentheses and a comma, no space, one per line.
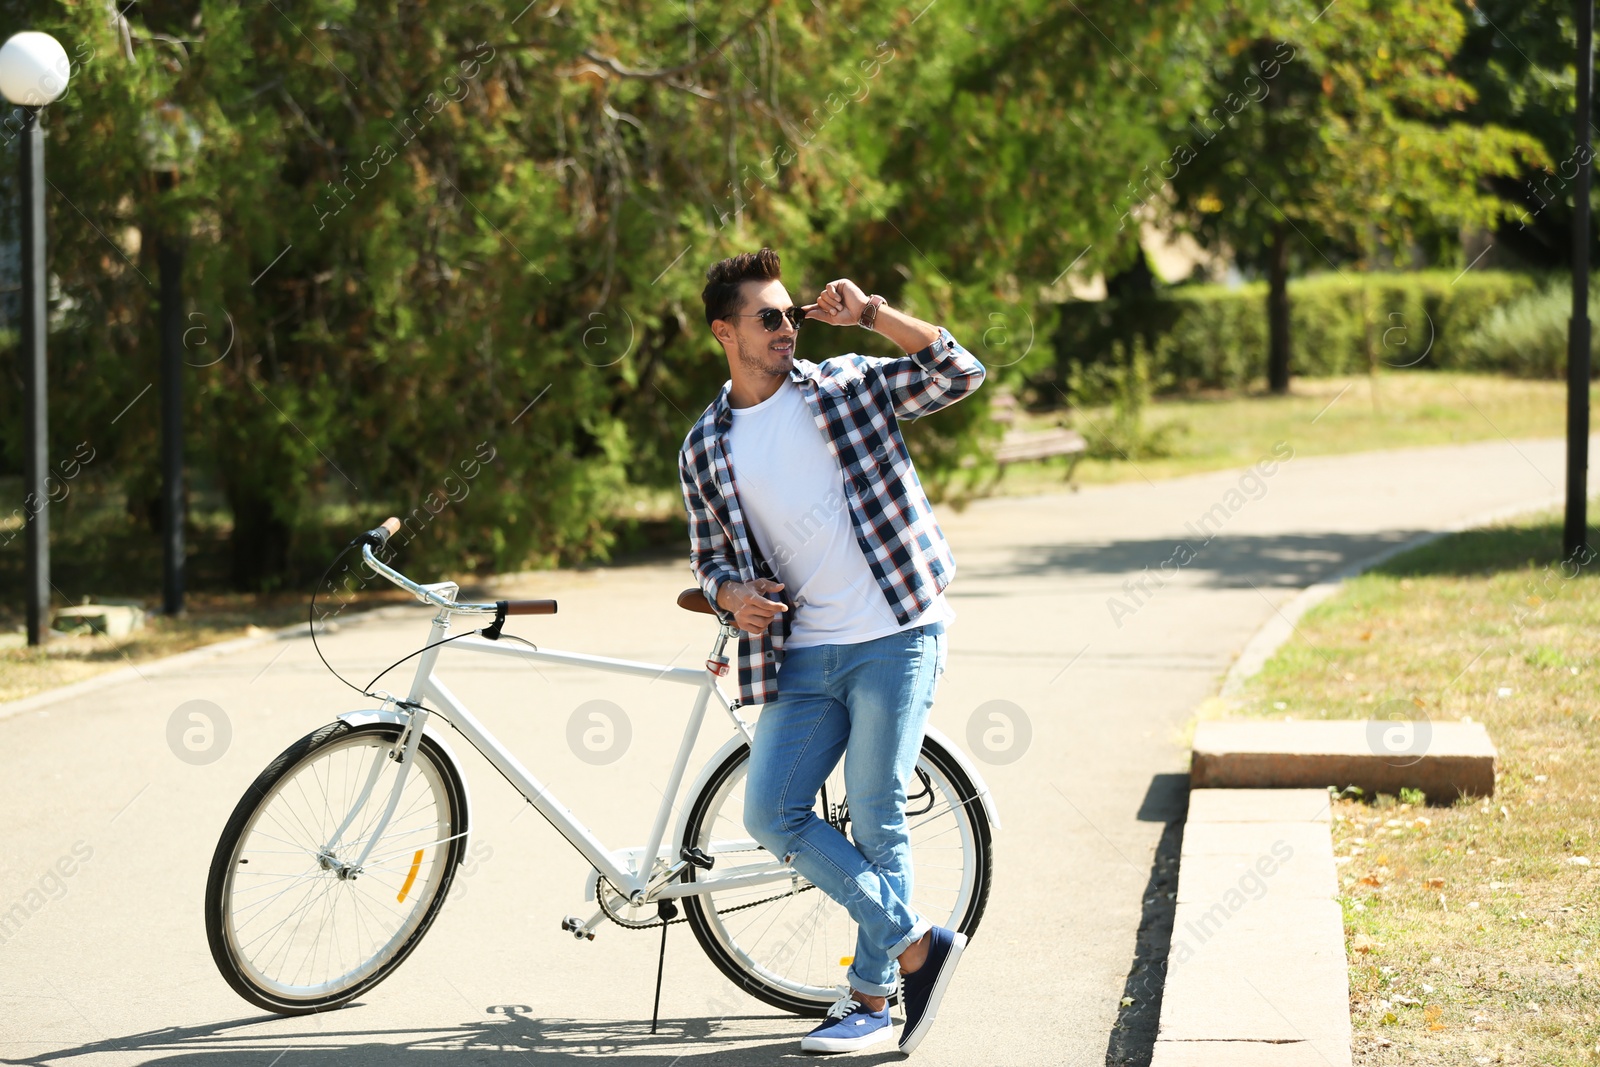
(729,747)
(369,716)
(933,733)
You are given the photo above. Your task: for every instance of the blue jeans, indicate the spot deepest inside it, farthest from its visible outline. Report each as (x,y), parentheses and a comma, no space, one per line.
(869,701)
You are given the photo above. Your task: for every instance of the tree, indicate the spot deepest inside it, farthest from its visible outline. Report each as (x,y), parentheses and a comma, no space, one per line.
(445,262)
(1518,57)
(1336,138)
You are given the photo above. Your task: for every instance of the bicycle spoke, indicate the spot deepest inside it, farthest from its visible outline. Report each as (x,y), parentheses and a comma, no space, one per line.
(302,933)
(412,848)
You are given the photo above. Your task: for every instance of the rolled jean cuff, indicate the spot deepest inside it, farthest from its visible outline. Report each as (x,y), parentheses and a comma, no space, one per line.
(873,989)
(919,929)
(861,985)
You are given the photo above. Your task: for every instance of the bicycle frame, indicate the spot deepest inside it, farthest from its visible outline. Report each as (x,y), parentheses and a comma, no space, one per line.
(639,886)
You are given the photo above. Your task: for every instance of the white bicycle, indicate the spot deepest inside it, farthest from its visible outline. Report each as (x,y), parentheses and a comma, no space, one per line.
(338,857)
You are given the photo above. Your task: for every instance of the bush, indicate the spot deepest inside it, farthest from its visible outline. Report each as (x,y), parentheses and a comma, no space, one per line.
(1125,385)
(1211,336)
(1528,336)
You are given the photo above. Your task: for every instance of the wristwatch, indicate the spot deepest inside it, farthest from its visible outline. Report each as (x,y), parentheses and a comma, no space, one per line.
(869,314)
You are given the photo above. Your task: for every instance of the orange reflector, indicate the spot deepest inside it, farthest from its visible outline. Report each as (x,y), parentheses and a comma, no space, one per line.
(416,861)
(845,961)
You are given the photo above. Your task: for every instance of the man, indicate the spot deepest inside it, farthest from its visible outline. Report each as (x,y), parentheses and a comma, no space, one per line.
(809,528)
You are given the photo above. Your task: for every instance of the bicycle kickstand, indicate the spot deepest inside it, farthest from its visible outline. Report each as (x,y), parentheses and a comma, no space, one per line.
(668,911)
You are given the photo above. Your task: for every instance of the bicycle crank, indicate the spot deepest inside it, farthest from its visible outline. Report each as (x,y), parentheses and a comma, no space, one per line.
(620,910)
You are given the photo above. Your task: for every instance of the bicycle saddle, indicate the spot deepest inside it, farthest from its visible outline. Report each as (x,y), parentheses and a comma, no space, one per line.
(695,600)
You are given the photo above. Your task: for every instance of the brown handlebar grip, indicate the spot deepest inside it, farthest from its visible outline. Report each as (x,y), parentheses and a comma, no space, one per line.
(378,536)
(530,607)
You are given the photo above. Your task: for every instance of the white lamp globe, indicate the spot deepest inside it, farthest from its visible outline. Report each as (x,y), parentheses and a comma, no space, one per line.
(34,69)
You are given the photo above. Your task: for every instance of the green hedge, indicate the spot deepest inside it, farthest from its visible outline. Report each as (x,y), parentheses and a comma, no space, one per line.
(1528,336)
(1212,336)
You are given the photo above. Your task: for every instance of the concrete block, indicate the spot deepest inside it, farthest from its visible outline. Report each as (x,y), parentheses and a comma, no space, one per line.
(1240,1054)
(1307,839)
(1259,805)
(113,620)
(1270,971)
(1443,759)
(1240,864)
(1256,971)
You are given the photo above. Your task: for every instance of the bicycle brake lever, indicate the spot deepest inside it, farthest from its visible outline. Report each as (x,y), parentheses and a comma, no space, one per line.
(492,631)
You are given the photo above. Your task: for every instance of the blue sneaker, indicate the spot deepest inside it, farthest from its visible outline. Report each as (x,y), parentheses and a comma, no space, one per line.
(922,989)
(848,1027)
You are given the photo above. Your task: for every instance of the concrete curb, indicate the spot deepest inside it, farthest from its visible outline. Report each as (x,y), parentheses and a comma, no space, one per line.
(180,660)
(1281,626)
(1256,973)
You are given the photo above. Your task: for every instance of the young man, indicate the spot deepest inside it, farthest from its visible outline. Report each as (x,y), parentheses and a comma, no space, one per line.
(809,528)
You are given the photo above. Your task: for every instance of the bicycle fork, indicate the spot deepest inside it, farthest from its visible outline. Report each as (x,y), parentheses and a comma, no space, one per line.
(403,752)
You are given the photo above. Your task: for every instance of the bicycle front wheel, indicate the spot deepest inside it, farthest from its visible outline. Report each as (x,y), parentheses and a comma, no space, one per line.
(786,942)
(293,926)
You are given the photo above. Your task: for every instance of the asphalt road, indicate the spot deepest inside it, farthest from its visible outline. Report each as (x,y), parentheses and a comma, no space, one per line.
(108,964)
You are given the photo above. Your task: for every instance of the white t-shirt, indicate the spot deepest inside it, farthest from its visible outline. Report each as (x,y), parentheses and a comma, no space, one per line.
(792,494)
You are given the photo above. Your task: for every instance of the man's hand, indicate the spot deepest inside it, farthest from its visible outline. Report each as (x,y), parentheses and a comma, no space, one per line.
(751,611)
(839,304)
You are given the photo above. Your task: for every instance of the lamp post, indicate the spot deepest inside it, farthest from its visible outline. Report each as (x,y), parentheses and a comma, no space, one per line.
(1574,534)
(170,142)
(34,71)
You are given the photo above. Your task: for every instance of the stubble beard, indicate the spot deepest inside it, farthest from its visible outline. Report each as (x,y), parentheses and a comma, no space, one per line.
(762,361)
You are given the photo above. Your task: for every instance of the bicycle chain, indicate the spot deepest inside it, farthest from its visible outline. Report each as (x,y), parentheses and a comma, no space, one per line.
(656,925)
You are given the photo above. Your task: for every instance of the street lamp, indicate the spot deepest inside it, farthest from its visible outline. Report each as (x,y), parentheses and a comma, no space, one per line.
(1575,528)
(171,141)
(34,71)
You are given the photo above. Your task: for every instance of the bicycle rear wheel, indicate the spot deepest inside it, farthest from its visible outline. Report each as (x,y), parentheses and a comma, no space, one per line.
(292,927)
(789,944)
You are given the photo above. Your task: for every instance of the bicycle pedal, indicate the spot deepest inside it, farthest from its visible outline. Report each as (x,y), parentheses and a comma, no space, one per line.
(698,858)
(574,926)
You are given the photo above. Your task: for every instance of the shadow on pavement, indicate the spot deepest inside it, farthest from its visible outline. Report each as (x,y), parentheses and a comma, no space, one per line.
(1133,1035)
(1227,561)
(509,1032)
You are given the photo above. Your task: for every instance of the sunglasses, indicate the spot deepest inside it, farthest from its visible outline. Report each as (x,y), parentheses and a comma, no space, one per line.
(772,318)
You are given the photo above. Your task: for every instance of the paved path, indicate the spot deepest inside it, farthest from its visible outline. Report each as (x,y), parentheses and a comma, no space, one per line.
(110,964)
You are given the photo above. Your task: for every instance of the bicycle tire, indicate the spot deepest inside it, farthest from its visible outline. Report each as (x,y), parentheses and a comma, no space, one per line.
(738,966)
(439,776)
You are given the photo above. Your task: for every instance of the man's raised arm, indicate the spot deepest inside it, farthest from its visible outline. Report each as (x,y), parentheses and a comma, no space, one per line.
(934,373)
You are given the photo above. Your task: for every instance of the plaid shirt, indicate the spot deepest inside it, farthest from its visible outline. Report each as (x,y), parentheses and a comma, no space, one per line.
(857,402)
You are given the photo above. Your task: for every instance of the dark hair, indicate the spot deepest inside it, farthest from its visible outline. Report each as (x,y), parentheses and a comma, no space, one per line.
(721,294)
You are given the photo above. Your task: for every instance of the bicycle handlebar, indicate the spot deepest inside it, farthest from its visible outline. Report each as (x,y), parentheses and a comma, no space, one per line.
(530,607)
(378,537)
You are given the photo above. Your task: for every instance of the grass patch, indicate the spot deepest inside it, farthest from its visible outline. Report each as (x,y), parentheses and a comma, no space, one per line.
(208,617)
(99,551)
(1473,927)
(1320,416)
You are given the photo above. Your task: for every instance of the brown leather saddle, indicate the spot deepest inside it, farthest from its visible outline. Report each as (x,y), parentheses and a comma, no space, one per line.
(695,600)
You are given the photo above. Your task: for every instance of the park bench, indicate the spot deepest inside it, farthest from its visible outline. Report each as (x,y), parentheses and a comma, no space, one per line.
(1018,445)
